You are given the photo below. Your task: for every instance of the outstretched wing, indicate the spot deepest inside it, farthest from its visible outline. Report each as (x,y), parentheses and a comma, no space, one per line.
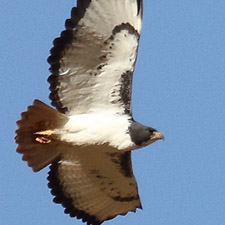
(94,185)
(92,62)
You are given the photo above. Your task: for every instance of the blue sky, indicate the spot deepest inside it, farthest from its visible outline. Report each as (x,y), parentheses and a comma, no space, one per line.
(178,89)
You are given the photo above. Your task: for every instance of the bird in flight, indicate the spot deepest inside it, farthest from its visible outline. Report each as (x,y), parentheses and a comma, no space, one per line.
(88,140)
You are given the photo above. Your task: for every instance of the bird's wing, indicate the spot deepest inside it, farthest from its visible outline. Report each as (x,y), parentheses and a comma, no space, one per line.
(94,185)
(92,62)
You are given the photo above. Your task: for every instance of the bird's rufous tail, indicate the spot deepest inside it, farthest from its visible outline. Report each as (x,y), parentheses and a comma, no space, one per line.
(35,134)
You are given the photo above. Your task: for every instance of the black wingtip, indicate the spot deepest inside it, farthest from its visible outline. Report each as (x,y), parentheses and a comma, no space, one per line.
(140,7)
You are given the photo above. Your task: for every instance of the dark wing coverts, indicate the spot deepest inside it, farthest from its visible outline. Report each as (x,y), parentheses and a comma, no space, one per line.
(92,62)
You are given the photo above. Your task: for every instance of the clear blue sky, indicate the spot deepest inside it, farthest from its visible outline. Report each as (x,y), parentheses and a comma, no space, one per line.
(179,88)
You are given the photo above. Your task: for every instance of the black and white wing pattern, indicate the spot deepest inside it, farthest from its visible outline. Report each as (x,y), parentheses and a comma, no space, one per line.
(94,185)
(92,62)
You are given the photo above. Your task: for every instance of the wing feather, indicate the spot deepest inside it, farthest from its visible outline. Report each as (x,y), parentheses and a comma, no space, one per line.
(89,59)
(94,185)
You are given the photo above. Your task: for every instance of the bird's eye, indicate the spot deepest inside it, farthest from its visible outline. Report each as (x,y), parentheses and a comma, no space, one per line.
(151,130)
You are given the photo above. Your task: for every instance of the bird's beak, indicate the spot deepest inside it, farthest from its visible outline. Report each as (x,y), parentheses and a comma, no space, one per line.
(157,136)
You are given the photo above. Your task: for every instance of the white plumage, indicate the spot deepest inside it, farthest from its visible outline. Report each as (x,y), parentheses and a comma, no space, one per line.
(98,128)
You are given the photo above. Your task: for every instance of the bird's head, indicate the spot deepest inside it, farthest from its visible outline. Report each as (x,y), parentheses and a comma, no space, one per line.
(142,135)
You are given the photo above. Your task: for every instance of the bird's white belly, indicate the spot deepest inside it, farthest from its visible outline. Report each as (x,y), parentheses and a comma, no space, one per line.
(92,129)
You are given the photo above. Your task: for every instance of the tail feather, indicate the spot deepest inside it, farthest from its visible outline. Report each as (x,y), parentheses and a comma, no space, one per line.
(35,135)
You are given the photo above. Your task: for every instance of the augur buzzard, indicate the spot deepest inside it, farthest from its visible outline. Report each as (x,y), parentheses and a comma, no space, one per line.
(89,138)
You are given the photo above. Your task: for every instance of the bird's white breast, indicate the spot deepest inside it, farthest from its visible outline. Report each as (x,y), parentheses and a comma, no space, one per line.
(101,128)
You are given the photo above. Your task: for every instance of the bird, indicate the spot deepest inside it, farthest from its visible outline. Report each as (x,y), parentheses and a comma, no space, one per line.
(88,139)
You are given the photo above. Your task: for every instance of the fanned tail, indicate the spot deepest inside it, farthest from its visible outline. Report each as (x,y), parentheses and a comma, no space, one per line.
(35,134)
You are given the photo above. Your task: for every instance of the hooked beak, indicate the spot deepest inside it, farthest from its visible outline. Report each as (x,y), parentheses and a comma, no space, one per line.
(157,136)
